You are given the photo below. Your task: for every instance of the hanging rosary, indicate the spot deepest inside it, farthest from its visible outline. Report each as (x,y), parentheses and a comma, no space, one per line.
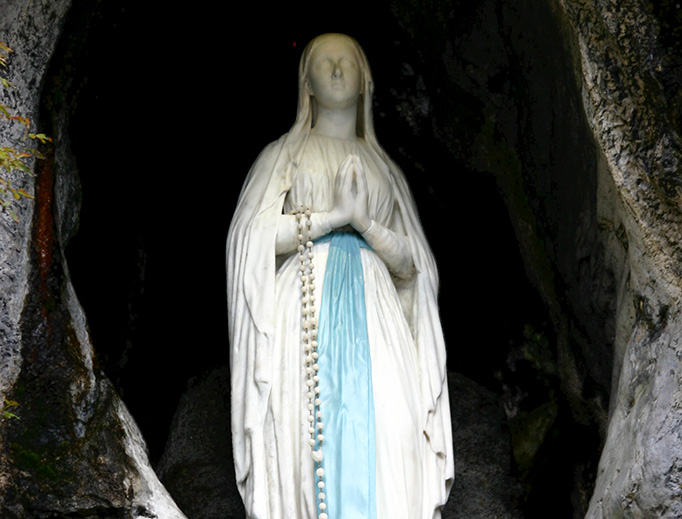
(309,342)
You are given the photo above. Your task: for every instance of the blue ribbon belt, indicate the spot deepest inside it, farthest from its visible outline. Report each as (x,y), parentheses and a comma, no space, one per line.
(346,384)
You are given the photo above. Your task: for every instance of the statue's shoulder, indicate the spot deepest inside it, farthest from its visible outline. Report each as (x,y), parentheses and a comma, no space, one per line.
(271,151)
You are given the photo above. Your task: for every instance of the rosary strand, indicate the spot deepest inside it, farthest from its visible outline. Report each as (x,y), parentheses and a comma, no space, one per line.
(309,341)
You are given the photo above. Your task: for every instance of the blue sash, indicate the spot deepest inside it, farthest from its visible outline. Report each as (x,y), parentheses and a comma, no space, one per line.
(346,384)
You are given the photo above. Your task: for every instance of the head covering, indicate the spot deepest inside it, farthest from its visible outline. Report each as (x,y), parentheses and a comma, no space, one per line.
(297,136)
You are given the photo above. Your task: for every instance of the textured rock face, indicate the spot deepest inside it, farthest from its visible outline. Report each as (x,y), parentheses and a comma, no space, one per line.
(75,449)
(197,466)
(484,486)
(629,88)
(580,126)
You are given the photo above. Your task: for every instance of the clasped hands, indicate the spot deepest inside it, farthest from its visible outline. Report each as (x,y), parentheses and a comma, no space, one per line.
(350,196)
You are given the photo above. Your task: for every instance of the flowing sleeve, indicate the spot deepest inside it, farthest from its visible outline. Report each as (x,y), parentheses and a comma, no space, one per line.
(419,298)
(250,259)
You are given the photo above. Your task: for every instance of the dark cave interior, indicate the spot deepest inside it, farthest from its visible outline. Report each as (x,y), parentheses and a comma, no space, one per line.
(171,109)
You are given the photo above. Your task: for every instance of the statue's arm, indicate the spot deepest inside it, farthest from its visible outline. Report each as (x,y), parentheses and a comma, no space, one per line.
(287,231)
(392,246)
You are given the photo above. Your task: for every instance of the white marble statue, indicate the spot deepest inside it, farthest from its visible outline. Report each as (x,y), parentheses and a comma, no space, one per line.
(339,392)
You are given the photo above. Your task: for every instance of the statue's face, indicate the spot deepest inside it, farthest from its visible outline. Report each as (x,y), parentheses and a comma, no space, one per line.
(334,74)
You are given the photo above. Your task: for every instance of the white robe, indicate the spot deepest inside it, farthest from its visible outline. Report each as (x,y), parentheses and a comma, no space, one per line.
(414,462)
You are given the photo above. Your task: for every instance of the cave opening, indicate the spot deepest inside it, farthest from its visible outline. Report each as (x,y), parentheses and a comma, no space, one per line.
(172,109)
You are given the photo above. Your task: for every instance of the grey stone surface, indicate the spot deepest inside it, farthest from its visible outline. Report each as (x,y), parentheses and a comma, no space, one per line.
(484,486)
(582,101)
(75,449)
(630,81)
(196,465)
(31,32)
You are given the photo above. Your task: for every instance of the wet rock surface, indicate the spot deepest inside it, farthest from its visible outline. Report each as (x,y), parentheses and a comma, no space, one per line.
(72,450)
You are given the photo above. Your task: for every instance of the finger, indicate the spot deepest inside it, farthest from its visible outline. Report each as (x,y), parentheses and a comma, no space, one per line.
(349,174)
(342,174)
(347,163)
(360,178)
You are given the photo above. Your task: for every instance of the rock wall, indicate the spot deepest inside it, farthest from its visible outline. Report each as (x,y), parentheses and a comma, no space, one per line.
(631,85)
(581,128)
(74,449)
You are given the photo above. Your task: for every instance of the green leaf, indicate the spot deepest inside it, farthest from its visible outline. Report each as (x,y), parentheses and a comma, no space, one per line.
(41,137)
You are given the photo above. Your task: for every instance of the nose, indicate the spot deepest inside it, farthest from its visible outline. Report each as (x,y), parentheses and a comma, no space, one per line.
(337,73)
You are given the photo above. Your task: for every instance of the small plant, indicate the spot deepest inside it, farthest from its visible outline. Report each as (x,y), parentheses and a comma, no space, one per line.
(6,412)
(13,159)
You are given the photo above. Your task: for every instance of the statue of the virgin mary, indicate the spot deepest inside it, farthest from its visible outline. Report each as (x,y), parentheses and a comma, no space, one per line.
(339,392)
